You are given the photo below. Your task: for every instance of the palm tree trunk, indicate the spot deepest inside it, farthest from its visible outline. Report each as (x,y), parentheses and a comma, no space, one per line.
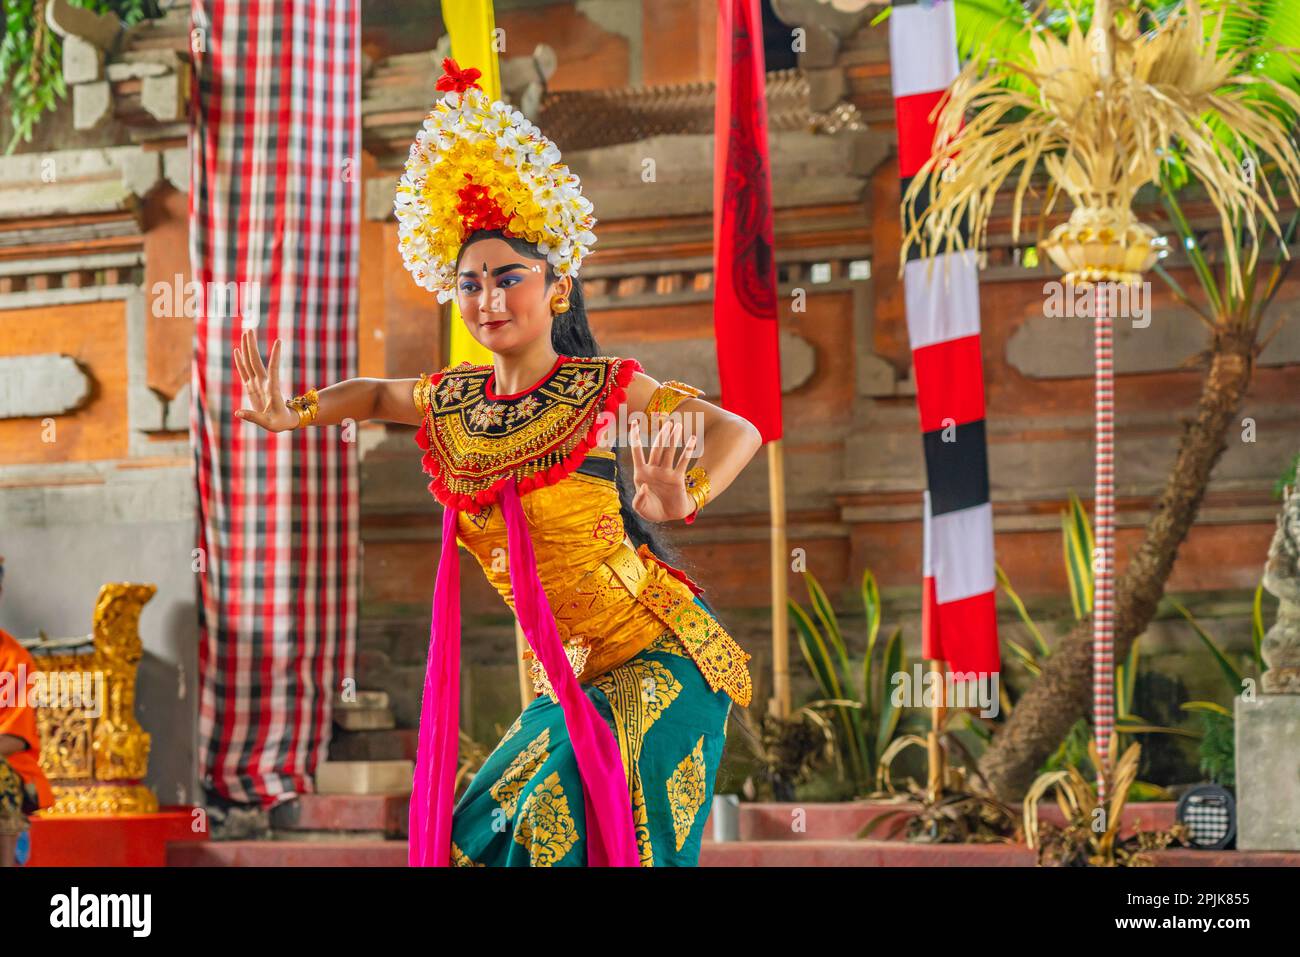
(1060,695)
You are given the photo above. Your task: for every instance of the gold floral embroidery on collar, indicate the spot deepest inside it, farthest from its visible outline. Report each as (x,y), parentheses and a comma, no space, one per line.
(474,442)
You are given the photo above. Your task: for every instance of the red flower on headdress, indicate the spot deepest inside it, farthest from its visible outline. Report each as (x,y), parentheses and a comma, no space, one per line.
(478,210)
(454,78)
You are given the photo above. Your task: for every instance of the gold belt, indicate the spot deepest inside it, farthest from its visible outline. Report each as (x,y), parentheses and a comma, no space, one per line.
(720,659)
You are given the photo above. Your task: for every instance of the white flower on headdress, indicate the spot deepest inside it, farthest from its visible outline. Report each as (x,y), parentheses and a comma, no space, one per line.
(468,139)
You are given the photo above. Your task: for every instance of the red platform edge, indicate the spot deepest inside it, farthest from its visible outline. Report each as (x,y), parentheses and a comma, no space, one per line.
(122,840)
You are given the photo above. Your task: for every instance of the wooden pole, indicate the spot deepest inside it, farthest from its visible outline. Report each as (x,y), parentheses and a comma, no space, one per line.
(780,704)
(938,714)
(525,682)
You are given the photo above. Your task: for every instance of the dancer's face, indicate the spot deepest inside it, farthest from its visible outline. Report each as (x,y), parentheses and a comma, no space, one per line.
(503,295)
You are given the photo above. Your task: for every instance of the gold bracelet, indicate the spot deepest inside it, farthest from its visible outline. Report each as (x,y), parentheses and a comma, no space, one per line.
(306,405)
(697,487)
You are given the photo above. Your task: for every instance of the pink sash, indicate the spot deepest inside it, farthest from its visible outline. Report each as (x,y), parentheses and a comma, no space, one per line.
(611,835)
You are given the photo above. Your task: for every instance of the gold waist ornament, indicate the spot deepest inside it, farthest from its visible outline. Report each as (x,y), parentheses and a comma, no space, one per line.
(626,572)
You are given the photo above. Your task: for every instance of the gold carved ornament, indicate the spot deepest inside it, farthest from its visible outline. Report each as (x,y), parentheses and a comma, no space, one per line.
(97,764)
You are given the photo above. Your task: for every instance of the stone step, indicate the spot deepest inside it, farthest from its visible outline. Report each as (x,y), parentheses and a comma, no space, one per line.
(394,744)
(385,814)
(822,853)
(362,701)
(811,853)
(364,719)
(337,853)
(759,821)
(841,853)
(1190,857)
(365,777)
(811,821)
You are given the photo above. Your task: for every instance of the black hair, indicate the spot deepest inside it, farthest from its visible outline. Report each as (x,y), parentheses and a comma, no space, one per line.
(571,336)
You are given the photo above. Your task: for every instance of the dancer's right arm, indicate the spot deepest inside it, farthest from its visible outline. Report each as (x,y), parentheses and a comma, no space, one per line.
(356,399)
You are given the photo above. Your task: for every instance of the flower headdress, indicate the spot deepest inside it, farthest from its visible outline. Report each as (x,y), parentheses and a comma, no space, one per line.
(477,164)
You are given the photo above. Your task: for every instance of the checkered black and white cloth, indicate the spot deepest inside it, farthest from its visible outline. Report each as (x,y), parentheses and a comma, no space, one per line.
(274,209)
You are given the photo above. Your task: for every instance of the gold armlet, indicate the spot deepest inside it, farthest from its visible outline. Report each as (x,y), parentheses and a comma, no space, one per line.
(307,406)
(669,396)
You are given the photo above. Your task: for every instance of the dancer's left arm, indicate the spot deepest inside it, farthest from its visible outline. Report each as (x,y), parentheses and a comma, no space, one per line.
(698,433)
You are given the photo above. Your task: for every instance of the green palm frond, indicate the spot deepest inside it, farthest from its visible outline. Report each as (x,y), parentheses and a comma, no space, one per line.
(990,30)
(1205,706)
(1231,674)
(1126,683)
(1257,628)
(822,663)
(1078,545)
(834,636)
(814,650)
(895,663)
(871,607)
(1039,643)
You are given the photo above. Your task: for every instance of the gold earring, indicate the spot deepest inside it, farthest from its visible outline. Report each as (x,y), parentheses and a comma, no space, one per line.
(559,305)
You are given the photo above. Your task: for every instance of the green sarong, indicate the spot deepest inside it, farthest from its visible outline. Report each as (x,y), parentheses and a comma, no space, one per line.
(525,807)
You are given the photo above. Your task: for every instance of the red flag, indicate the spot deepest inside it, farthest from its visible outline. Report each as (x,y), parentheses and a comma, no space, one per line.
(744,273)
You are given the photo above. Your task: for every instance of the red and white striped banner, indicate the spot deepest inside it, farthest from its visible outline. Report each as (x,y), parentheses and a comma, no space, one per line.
(275,210)
(959,619)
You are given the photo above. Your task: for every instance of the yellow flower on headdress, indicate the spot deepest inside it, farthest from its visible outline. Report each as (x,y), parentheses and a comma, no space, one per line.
(477,162)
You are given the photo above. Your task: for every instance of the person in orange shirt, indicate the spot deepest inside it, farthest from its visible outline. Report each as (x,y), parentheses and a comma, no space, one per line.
(24,788)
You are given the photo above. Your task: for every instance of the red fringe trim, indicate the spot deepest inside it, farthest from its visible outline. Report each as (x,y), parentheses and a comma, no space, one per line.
(560,470)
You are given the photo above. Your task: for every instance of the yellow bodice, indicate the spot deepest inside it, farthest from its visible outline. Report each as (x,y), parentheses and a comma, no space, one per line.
(610,600)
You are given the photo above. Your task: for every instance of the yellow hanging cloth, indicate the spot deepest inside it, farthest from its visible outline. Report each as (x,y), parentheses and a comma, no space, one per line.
(472,27)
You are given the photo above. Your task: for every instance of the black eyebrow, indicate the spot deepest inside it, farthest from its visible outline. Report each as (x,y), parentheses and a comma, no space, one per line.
(500,269)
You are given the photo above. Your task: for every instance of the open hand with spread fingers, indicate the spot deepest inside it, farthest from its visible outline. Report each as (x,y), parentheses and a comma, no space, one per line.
(262,386)
(658,475)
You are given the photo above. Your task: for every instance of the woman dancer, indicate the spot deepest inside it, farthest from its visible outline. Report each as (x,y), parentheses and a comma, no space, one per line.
(613,762)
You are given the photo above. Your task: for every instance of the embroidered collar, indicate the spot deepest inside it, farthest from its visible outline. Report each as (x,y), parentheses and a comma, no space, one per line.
(475,440)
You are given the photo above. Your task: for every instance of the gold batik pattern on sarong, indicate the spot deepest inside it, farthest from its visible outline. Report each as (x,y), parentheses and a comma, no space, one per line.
(460,859)
(686,788)
(546,826)
(520,772)
(638,693)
